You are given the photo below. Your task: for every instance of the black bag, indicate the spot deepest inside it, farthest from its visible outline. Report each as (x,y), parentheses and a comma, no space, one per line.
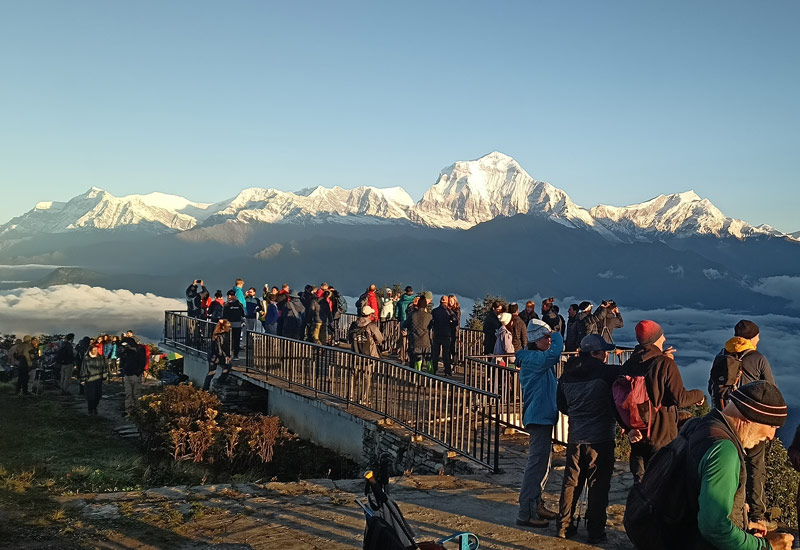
(726,373)
(359,337)
(660,511)
(379,535)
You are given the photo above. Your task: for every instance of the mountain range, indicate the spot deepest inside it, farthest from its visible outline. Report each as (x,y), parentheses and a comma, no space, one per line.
(484,226)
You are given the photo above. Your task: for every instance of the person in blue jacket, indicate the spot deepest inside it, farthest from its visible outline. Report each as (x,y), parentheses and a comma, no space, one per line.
(539,416)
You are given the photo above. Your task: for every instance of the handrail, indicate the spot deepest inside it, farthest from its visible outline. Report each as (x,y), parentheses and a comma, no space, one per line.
(460,418)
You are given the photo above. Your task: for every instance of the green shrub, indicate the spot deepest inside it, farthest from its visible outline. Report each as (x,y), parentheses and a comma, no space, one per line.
(781,483)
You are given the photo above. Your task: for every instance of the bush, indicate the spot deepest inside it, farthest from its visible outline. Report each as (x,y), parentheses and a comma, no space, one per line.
(780,486)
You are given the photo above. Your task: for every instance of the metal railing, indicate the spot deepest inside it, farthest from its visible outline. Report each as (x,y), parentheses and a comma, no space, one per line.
(458,417)
(483,372)
(188,333)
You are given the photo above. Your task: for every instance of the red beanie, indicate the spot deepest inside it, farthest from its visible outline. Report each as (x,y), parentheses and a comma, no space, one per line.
(647,332)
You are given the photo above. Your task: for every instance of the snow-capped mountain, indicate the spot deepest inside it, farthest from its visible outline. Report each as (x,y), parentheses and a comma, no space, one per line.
(680,214)
(465,194)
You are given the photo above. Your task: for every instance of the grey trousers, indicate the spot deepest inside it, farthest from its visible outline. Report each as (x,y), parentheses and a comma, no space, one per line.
(536,470)
(133,391)
(66,376)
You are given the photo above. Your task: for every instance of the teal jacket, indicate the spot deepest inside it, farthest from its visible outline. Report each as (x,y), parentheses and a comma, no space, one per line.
(537,376)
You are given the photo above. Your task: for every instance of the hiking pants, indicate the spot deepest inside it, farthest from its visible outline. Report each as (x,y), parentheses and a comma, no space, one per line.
(641,453)
(66,376)
(314,329)
(133,391)
(756,471)
(591,464)
(489,340)
(94,391)
(22,380)
(536,470)
(441,349)
(236,340)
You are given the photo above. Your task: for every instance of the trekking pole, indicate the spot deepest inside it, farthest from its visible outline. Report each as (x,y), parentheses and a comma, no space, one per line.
(582,506)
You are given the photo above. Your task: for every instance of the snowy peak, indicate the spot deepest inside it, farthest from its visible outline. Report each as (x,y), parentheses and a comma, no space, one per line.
(679,214)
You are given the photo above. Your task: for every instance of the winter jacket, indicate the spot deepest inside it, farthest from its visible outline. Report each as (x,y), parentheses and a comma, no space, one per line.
(372,301)
(239,295)
(587,324)
(584,394)
(234,312)
(519,333)
(442,324)
(572,341)
(194,304)
(526,316)
(312,312)
(221,347)
(133,359)
(326,310)
(551,318)
(664,388)
(755,367)
(537,377)
(110,350)
(490,325)
(387,308)
(372,333)
(93,368)
(215,309)
(252,307)
(607,322)
(419,322)
(401,308)
(272,314)
(504,342)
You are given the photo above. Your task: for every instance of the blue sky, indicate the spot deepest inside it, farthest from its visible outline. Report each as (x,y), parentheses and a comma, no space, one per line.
(614,102)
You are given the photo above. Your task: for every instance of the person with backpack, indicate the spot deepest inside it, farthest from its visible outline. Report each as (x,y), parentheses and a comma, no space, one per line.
(369,298)
(133,361)
(220,353)
(504,341)
(739,363)
(364,335)
(586,322)
(537,377)
(655,367)
(608,319)
(693,493)
(66,362)
(216,307)
(584,395)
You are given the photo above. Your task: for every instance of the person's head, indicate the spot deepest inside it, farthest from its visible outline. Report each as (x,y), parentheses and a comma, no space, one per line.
(611,305)
(498,307)
(409,290)
(388,292)
(130,334)
(366,311)
(649,332)
(275,290)
(286,287)
(239,282)
(539,335)
(231,295)
(444,302)
(223,325)
(94,349)
(513,308)
(594,345)
(115,339)
(530,305)
(70,337)
(749,330)
(547,304)
(218,295)
(422,303)
(505,319)
(556,309)
(35,341)
(324,286)
(573,310)
(251,291)
(428,297)
(372,288)
(585,307)
(326,294)
(452,301)
(757,410)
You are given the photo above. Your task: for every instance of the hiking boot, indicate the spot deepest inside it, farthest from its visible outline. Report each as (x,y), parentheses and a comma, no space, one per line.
(769,525)
(544,513)
(533,522)
(598,538)
(567,532)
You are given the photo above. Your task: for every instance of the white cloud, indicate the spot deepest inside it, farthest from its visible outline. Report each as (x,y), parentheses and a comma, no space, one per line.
(675,270)
(84,310)
(610,275)
(712,274)
(782,286)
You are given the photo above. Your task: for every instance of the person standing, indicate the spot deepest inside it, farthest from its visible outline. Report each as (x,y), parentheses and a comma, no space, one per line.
(608,320)
(529,312)
(572,342)
(419,324)
(442,322)
(238,289)
(519,330)
(27,357)
(220,353)
(253,307)
(491,322)
(271,318)
(537,375)
(132,365)
(94,370)
(66,361)
(455,307)
(234,313)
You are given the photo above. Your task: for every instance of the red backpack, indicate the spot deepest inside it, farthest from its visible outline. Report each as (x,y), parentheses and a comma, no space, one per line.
(633,403)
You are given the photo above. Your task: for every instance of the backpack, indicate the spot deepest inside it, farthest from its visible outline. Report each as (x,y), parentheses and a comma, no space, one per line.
(661,509)
(633,403)
(726,373)
(359,337)
(360,303)
(66,355)
(341,303)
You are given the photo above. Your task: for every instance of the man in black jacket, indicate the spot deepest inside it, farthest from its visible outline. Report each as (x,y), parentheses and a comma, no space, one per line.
(234,312)
(571,341)
(66,362)
(132,361)
(490,325)
(442,323)
(528,313)
(584,394)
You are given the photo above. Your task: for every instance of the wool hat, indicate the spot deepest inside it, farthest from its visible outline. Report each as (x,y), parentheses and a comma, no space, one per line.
(583,305)
(595,342)
(745,329)
(366,310)
(537,329)
(761,402)
(647,332)
(505,318)
(428,296)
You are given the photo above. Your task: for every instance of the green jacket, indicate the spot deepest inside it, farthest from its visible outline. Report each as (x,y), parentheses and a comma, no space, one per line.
(93,368)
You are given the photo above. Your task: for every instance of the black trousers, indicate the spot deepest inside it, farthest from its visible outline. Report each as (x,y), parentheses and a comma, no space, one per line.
(441,349)
(94,391)
(236,340)
(23,375)
(641,453)
(590,464)
(756,471)
(489,341)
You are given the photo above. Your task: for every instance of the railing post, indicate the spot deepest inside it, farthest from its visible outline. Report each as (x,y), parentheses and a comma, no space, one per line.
(416,412)
(497,437)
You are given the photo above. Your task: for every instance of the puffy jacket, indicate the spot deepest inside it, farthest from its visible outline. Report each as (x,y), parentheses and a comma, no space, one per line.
(372,332)
(252,307)
(519,333)
(401,308)
(537,376)
(387,308)
(572,341)
(664,388)
(442,323)
(504,343)
(419,322)
(272,314)
(93,368)
(584,394)
(239,295)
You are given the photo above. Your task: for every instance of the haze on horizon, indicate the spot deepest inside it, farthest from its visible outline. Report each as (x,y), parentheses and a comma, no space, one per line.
(614,103)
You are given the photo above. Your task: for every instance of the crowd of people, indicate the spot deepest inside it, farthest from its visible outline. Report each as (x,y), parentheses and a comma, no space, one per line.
(93,360)
(718,458)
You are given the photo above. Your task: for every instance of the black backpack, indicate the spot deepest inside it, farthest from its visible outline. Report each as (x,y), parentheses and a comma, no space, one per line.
(66,355)
(660,510)
(379,535)
(726,373)
(359,337)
